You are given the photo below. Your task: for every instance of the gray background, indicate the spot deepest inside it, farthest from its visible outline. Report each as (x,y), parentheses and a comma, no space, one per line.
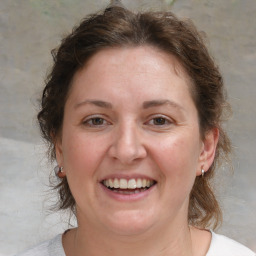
(29,29)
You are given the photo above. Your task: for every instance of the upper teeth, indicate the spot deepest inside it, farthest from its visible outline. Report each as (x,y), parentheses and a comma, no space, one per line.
(128,184)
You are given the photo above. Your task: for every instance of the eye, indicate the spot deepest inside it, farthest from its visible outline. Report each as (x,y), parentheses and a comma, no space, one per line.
(159,121)
(95,122)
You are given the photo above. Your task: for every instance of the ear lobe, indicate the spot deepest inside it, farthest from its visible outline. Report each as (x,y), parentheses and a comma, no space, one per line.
(208,150)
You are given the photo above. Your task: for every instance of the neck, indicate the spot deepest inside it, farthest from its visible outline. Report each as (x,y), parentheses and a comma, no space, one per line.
(175,241)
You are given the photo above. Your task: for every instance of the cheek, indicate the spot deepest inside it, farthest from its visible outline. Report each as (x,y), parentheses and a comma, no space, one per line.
(177,158)
(81,154)
(177,162)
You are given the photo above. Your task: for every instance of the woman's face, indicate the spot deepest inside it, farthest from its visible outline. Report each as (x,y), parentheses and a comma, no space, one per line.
(130,122)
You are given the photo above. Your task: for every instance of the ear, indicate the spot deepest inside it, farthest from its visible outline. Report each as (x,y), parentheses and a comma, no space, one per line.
(58,151)
(208,150)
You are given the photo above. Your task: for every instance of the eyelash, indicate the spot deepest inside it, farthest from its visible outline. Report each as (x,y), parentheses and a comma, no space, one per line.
(166,121)
(89,121)
(92,121)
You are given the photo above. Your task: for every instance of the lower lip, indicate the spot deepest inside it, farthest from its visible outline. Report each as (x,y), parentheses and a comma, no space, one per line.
(130,197)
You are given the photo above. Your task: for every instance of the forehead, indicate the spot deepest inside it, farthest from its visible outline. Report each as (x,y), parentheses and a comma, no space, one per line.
(137,68)
(142,55)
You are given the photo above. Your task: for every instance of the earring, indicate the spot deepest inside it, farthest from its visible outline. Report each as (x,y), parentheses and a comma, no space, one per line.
(202,173)
(59,172)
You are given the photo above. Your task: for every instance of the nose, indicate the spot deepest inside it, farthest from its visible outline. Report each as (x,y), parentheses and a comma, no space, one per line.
(127,144)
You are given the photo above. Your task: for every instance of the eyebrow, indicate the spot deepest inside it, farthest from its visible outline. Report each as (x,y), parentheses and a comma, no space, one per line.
(157,103)
(145,105)
(98,103)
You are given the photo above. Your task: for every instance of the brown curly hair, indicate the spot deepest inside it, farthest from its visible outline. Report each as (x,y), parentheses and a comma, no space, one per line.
(119,27)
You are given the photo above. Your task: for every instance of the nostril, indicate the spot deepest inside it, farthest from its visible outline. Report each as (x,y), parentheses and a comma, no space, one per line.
(127,143)
(127,153)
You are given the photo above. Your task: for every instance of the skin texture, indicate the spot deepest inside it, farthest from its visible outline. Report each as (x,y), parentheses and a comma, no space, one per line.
(130,114)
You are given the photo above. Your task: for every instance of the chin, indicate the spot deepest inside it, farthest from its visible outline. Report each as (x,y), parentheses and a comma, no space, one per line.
(130,223)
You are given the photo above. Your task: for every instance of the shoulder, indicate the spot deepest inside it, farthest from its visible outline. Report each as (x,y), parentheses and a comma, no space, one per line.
(51,247)
(222,245)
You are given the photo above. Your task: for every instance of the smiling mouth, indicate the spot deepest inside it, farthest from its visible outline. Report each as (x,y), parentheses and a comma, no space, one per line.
(128,187)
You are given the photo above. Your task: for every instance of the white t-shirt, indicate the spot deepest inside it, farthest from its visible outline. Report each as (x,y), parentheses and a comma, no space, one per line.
(220,246)
(224,246)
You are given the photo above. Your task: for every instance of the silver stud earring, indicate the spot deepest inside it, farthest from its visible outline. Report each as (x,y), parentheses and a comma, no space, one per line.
(59,171)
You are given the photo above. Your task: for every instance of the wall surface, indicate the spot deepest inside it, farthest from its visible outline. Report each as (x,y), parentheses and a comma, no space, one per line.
(29,29)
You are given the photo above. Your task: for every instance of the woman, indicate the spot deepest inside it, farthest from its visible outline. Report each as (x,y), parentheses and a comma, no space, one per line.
(133,111)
